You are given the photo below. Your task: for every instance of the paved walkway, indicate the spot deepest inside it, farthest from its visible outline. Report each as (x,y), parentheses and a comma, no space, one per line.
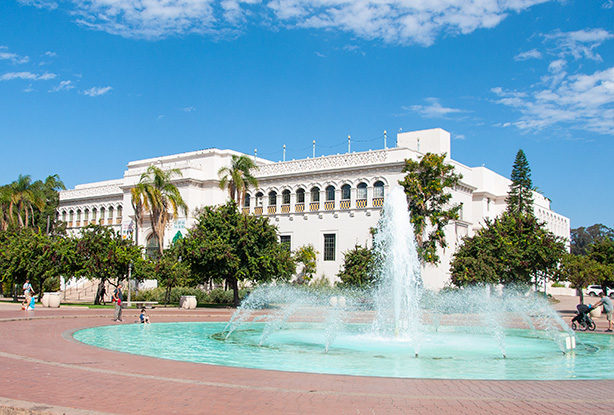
(45,371)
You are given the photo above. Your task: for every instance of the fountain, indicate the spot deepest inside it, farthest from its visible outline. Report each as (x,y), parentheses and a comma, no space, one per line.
(396,328)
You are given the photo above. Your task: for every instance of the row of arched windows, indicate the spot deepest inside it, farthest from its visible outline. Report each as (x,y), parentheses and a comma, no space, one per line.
(315,194)
(82,217)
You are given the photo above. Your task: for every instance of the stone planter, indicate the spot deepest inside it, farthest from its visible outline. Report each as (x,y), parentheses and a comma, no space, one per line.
(51,300)
(187,302)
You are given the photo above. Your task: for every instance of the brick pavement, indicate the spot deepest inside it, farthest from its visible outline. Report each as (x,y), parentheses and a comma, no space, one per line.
(45,371)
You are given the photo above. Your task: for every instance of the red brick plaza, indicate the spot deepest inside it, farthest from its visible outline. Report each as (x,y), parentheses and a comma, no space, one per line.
(45,371)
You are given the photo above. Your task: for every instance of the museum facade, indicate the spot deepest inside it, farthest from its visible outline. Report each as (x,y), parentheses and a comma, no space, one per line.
(330,202)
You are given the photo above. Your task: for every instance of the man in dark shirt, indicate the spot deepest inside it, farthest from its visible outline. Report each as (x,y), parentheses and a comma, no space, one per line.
(118,298)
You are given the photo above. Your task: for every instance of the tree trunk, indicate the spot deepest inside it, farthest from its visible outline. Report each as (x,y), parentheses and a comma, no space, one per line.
(235,291)
(167,296)
(98,291)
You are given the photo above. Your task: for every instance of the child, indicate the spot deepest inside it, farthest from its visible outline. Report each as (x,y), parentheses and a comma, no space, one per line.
(144,317)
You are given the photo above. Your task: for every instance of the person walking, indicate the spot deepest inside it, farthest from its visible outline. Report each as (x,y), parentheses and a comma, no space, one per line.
(118,298)
(27,289)
(607,308)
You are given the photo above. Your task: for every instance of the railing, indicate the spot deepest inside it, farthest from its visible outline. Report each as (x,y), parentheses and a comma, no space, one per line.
(299,207)
(258,210)
(344,204)
(271,209)
(78,223)
(285,208)
(361,203)
(330,205)
(118,221)
(102,221)
(313,206)
(378,201)
(246,210)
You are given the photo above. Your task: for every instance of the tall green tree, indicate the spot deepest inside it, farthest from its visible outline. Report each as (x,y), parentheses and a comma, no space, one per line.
(238,178)
(170,270)
(427,184)
(225,243)
(103,254)
(602,251)
(582,238)
(157,196)
(358,268)
(520,196)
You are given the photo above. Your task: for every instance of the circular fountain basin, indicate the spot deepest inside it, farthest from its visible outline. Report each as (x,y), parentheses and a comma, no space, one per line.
(448,353)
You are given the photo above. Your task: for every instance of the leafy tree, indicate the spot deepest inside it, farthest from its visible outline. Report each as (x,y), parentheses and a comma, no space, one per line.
(358,267)
(238,178)
(157,195)
(581,271)
(306,255)
(171,271)
(426,186)
(225,243)
(104,254)
(582,238)
(602,251)
(520,197)
(512,249)
(34,255)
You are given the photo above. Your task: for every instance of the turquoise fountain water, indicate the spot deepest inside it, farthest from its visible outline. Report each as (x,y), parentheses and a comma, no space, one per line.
(396,329)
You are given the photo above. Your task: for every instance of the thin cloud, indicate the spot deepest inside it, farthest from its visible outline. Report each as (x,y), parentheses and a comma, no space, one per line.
(579,101)
(62,86)
(433,109)
(188,109)
(579,44)
(529,54)
(391,21)
(13,57)
(96,91)
(9,76)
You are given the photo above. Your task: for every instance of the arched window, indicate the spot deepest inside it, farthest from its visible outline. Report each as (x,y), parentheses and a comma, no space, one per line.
(330,193)
(86,216)
(259,197)
(300,196)
(71,217)
(94,212)
(272,198)
(153,247)
(110,214)
(63,216)
(345,192)
(285,197)
(247,200)
(119,214)
(315,194)
(78,217)
(102,212)
(361,191)
(378,190)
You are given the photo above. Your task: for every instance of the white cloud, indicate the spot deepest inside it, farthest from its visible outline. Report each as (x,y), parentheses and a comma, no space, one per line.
(392,21)
(9,76)
(188,109)
(50,54)
(62,86)
(433,110)
(529,54)
(319,54)
(29,88)
(580,101)
(13,57)
(579,44)
(97,91)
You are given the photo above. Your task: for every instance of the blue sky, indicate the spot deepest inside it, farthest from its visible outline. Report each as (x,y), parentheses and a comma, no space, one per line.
(87,86)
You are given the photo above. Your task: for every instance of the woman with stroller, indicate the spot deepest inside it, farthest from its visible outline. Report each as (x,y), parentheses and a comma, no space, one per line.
(607,308)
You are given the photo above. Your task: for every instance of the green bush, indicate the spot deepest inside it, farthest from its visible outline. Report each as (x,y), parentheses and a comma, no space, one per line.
(216,296)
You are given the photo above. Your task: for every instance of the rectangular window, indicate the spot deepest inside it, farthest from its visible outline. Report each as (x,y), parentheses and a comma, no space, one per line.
(286,241)
(329,246)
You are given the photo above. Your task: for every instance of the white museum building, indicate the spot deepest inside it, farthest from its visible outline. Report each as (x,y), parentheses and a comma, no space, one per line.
(331,202)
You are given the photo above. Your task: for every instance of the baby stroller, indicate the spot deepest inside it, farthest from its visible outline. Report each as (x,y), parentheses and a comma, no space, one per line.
(583,320)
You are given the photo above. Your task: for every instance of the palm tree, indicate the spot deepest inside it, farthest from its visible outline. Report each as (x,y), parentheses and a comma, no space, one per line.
(238,177)
(5,201)
(22,197)
(160,198)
